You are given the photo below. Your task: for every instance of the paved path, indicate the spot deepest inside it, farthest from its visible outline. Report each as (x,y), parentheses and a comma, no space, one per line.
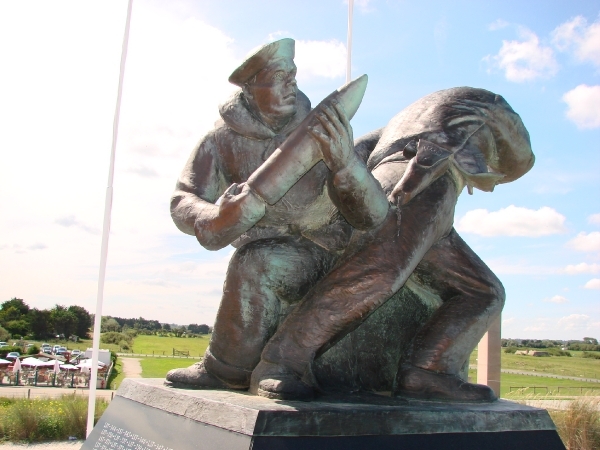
(132,367)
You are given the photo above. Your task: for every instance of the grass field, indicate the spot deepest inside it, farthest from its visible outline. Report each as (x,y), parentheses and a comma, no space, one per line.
(158,367)
(148,345)
(574,366)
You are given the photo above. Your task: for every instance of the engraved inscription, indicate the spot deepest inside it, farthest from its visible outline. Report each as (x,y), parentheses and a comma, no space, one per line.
(117,438)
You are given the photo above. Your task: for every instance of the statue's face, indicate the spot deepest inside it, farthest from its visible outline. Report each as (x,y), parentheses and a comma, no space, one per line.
(274,90)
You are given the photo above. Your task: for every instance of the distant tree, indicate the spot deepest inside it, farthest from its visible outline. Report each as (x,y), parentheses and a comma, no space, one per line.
(179,330)
(40,323)
(63,320)
(110,324)
(17,328)
(198,329)
(84,320)
(166,327)
(16,303)
(4,334)
(589,340)
(13,310)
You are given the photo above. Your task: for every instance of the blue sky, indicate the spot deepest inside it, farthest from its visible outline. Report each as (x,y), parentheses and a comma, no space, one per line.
(540,234)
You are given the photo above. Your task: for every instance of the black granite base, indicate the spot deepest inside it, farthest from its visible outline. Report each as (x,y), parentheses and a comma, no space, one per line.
(146,415)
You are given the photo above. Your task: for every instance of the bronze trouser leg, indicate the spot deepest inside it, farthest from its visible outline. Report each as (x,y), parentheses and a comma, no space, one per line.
(262,279)
(375,266)
(472,298)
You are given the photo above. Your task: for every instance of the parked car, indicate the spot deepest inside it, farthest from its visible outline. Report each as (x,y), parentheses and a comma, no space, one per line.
(75,353)
(3,344)
(55,349)
(46,349)
(61,351)
(12,356)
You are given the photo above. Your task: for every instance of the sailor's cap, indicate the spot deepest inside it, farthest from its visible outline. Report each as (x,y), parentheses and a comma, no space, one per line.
(259,58)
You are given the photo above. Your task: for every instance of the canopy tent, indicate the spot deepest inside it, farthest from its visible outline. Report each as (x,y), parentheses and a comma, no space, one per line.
(4,361)
(68,367)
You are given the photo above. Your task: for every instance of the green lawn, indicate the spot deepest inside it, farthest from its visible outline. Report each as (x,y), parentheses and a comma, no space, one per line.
(574,366)
(158,367)
(163,346)
(117,375)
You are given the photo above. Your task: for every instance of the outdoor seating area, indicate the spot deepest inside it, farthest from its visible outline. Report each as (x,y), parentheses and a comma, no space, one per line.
(51,373)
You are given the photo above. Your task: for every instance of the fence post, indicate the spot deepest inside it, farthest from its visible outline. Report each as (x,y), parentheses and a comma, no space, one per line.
(17,378)
(28,394)
(35,377)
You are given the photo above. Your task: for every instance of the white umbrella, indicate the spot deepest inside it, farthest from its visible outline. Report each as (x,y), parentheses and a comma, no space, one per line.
(88,363)
(56,365)
(46,363)
(4,361)
(31,362)
(68,367)
(17,366)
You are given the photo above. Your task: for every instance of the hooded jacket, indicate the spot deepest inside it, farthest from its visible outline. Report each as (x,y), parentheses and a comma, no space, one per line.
(230,153)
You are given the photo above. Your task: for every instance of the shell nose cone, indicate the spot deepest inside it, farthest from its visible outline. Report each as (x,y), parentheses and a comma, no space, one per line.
(351,94)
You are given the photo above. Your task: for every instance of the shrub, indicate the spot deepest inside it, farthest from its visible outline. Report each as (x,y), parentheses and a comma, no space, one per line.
(45,419)
(590,355)
(114,337)
(124,345)
(6,350)
(558,352)
(510,350)
(33,350)
(579,425)
(4,335)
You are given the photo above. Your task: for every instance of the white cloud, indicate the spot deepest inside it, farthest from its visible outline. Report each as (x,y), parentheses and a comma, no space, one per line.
(576,35)
(556,299)
(498,24)
(585,242)
(320,59)
(594,283)
(594,219)
(576,269)
(578,322)
(508,321)
(583,104)
(72,221)
(525,60)
(512,221)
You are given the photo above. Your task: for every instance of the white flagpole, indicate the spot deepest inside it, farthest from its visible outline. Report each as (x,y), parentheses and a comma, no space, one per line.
(349,42)
(106,231)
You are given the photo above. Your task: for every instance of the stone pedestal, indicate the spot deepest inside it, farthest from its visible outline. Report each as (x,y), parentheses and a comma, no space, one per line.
(146,415)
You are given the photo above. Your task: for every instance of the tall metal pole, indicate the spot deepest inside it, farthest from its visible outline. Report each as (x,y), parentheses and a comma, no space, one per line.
(106,230)
(349,42)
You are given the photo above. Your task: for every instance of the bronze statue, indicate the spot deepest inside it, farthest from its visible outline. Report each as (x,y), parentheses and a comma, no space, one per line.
(320,255)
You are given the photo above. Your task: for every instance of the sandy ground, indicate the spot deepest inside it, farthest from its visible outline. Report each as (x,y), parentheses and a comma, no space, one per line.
(132,367)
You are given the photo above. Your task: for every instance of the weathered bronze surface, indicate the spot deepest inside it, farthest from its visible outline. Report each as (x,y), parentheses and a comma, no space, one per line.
(348,273)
